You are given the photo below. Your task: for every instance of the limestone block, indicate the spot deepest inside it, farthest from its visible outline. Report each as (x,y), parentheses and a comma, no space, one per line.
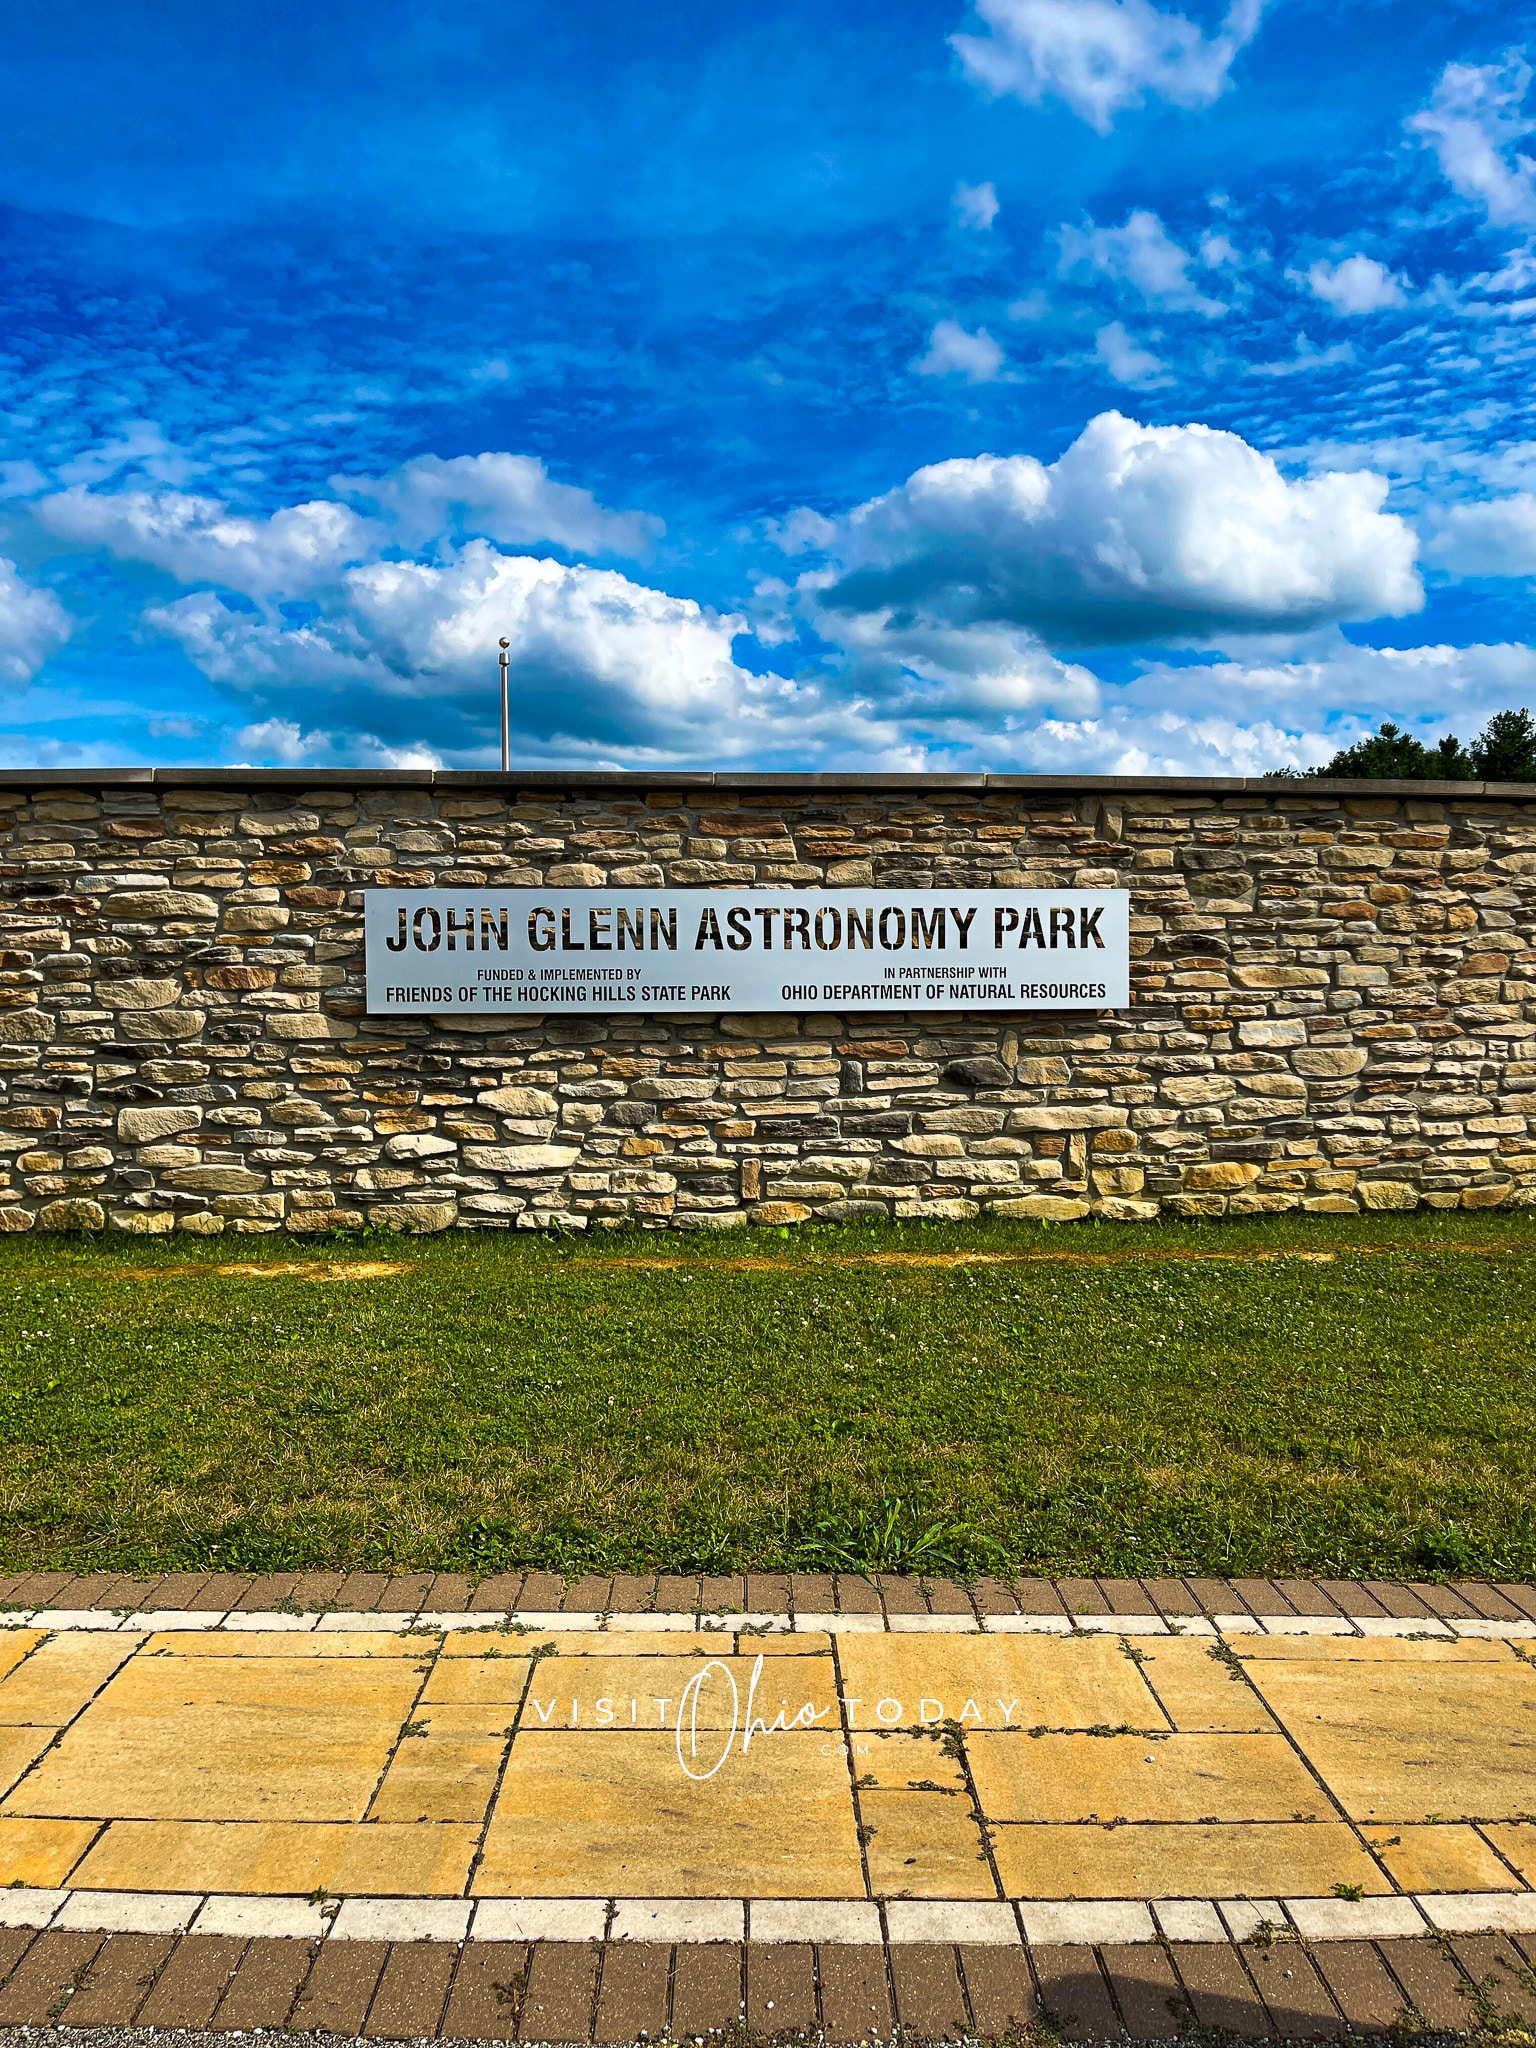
(1043,1208)
(143,1126)
(931,1145)
(414,1216)
(519,1101)
(577,874)
(310,1024)
(136,995)
(1328,1062)
(1189,1090)
(26,1027)
(951,1210)
(247,1206)
(256,917)
(674,1088)
(1388,1194)
(202,1224)
(1042,1073)
(215,1180)
(1221,1173)
(71,1215)
(149,906)
(780,1212)
(419,1145)
(522,1158)
(1122,1209)
(143,1222)
(1079,1117)
(307,1220)
(147,1025)
(15,1219)
(1471,1198)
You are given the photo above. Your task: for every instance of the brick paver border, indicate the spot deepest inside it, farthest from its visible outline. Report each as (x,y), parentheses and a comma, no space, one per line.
(881,1600)
(1274,1987)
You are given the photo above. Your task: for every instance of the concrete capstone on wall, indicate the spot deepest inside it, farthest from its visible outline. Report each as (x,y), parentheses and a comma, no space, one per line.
(1334,1008)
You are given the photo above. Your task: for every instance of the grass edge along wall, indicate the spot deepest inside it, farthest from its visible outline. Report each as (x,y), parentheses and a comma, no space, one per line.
(1332,1007)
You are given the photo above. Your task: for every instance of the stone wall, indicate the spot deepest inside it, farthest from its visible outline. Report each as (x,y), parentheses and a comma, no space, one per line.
(1335,1007)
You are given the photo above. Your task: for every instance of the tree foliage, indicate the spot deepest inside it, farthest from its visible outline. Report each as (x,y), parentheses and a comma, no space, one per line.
(1504,751)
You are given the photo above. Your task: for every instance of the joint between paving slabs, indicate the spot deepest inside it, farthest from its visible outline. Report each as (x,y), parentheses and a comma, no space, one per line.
(478,1857)
(58,1735)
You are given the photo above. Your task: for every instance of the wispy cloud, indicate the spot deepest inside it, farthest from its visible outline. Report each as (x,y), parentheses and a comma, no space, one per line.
(1474,121)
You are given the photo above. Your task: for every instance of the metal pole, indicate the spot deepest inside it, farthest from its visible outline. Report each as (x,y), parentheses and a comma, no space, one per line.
(506,712)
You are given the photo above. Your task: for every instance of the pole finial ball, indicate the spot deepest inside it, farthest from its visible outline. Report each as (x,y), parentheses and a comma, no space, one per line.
(505,643)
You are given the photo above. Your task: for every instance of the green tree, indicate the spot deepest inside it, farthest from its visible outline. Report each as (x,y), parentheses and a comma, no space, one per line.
(1505,751)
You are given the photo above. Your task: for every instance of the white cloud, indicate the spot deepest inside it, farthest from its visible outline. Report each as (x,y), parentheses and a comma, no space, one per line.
(1494,538)
(975,205)
(199,540)
(598,661)
(951,352)
(1126,361)
(33,626)
(281,743)
(507,498)
(1357,285)
(1141,254)
(1472,122)
(302,549)
(1247,717)
(1134,533)
(1100,56)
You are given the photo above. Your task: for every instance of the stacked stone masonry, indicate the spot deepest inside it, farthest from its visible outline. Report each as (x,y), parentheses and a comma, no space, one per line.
(1334,1009)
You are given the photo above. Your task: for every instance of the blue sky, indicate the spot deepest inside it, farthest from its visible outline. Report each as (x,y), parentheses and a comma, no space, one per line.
(1055,384)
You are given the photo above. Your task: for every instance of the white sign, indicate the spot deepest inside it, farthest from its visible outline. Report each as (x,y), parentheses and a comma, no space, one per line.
(661,951)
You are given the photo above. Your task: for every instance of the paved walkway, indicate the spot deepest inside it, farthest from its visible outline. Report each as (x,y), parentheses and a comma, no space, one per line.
(592,1822)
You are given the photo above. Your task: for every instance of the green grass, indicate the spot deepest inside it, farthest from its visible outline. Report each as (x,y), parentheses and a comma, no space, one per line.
(534,1401)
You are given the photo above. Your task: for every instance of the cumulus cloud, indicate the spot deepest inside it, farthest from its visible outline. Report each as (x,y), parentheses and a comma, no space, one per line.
(1357,285)
(1475,117)
(507,498)
(952,352)
(1141,255)
(1494,538)
(975,205)
(598,661)
(301,549)
(1241,717)
(1101,56)
(1126,360)
(33,626)
(200,540)
(1134,533)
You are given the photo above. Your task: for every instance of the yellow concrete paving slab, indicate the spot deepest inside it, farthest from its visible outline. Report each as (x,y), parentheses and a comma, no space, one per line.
(1448,1858)
(995,1682)
(1126,1777)
(282,1858)
(56,1681)
(16,1643)
(447,1768)
(226,1739)
(925,1845)
(477,1681)
(19,1750)
(1372,1650)
(1413,1740)
(1274,1860)
(287,1644)
(910,1761)
(1516,1841)
(596,1814)
(42,1852)
(1204,1691)
(649,1692)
